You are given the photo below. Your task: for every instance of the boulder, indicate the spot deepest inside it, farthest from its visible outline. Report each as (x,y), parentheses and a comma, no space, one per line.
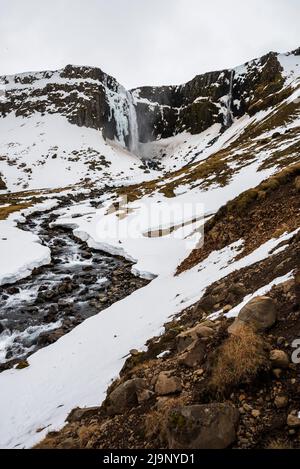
(260,314)
(194,355)
(186,338)
(78,414)
(279,359)
(211,426)
(167,384)
(124,397)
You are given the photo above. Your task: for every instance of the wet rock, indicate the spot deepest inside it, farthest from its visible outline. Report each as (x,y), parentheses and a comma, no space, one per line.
(124,397)
(279,359)
(211,426)
(167,384)
(260,314)
(13,290)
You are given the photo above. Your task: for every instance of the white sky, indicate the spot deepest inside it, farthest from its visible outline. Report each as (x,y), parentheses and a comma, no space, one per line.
(144,42)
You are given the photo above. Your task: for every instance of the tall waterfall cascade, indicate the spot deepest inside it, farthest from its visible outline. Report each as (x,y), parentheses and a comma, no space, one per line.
(132,124)
(228,118)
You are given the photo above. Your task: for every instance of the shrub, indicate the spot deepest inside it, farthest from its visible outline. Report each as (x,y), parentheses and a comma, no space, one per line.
(238,360)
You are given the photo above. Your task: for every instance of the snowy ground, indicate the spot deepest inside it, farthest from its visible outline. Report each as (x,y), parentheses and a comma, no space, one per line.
(21,251)
(77,369)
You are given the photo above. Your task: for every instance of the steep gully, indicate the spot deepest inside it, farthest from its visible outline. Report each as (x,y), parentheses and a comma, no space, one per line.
(79,283)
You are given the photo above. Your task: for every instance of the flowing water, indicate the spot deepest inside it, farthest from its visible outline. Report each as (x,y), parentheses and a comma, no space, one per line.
(229,101)
(79,283)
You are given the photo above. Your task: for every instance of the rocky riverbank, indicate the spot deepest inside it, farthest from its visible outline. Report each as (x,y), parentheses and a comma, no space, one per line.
(79,283)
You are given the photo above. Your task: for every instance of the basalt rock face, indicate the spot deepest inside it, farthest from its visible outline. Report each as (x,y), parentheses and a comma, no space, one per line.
(209,98)
(89,97)
(86,96)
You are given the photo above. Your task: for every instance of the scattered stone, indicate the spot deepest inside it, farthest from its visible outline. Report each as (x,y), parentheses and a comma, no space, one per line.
(281,402)
(255,413)
(211,426)
(167,384)
(279,359)
(277,372)
(186,338)
(293,421)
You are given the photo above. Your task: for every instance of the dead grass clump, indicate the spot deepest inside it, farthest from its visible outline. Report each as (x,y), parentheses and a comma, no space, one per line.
(7,210)
(238,360)
(155,421)
(279,443)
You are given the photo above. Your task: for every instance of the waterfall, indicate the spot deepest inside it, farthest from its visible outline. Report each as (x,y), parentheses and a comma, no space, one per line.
(228,119)
(132,124)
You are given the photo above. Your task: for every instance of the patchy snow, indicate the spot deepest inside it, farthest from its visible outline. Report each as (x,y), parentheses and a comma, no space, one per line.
(76,370)
(49,152)
(260,292)
(21,251)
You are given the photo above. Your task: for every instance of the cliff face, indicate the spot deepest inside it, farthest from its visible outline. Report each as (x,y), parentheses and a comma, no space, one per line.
(211,98)
(89,97)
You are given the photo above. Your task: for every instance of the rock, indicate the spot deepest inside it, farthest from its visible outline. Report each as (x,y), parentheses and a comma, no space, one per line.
(186,338)
(194,355)
(255,413)
(227,308)
(279,359)
(260,314)
(167,384)
(124,397)
(134,353)
(1,328)
(144,395)
(297,183)
(293,421)
(211,426)
(281,402)
(277,372)
(78,414)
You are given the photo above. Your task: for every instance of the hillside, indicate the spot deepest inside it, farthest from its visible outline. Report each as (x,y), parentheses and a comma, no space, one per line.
(136,226)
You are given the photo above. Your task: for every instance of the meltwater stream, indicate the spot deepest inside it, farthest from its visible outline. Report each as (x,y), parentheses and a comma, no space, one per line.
(79,283)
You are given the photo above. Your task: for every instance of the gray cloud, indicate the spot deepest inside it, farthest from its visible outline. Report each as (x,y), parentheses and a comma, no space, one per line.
(142,41)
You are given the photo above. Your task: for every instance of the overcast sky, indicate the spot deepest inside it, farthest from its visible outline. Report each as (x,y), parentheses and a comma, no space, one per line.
(143,42)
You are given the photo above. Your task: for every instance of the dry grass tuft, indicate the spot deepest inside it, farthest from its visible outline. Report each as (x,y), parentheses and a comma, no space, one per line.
(238,360)
(155,421)
(279,443)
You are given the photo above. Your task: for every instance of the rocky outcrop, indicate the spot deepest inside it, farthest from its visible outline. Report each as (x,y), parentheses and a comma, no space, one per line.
(89,97)
(211,426)
(124,396)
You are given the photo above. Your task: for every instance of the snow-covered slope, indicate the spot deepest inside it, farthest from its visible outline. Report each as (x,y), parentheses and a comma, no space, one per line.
(202,144)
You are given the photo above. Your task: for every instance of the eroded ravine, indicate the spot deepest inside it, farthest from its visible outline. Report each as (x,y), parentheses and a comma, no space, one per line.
(79,283)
